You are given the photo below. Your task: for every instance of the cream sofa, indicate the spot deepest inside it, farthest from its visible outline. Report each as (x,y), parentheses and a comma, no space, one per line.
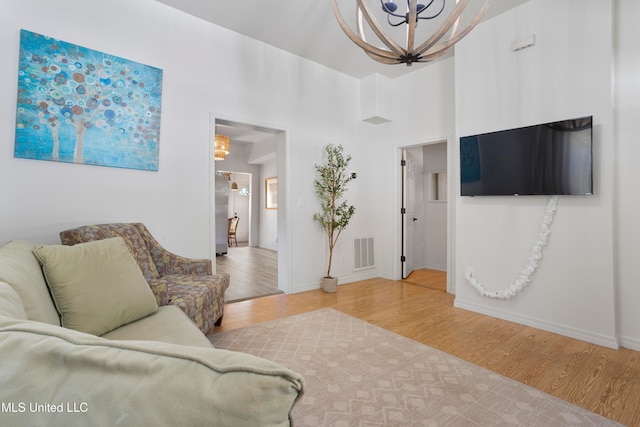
(83,342)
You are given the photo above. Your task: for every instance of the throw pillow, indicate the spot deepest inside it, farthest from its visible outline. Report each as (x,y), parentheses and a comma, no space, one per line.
(96,286)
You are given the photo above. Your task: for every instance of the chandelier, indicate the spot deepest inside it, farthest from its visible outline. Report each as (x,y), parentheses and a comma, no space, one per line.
(431,49)
(221,147)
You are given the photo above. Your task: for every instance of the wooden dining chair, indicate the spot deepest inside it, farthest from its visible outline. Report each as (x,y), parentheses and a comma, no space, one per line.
(233,225)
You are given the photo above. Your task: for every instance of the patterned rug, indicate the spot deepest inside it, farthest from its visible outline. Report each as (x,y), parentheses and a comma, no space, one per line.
(358,374)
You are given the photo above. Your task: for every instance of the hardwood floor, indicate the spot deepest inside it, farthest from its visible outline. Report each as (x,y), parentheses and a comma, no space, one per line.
(599,379)
(254,272)
(433,279)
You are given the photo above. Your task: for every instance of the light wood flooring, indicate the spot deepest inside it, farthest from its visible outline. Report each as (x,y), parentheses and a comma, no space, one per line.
(599,379)
(253,271)
(432,279)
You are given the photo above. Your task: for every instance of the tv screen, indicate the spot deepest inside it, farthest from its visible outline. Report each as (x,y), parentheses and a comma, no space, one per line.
(546,159)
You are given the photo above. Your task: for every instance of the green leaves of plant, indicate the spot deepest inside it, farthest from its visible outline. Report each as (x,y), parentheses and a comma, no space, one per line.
(330,185)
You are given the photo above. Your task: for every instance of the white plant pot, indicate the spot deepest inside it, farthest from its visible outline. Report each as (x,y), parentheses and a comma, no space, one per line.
(329,284)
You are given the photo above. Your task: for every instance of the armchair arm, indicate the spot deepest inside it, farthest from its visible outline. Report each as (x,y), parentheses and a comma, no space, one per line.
(169,263)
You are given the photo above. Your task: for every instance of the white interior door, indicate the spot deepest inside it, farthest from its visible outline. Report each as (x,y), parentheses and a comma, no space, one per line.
(408,213)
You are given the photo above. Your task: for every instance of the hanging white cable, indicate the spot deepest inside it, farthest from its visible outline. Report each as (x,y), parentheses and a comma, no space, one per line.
(534,260)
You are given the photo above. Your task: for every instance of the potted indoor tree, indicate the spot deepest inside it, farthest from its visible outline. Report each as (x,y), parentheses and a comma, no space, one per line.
(334,216)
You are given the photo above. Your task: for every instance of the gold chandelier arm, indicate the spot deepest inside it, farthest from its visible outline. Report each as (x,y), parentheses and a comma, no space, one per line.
(377,28)
(428,51)
(428,48)
(369,48)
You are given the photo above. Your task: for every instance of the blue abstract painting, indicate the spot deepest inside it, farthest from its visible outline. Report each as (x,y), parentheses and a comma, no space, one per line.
(79,105)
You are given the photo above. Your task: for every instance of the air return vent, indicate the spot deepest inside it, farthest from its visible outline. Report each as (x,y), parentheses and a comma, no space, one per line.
(363,256)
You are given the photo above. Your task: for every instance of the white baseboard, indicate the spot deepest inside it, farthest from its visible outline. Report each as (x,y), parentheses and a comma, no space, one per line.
(569,331)
(342,280)
(356,277)
(304,287)
(630,343)
(436,267)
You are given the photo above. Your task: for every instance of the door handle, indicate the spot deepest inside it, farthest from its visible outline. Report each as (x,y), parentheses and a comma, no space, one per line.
(415,219)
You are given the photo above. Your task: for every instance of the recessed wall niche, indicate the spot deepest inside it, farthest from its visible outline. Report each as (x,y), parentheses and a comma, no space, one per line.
(437,186)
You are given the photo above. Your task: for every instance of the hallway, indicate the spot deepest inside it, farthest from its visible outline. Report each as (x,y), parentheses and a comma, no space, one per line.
(253,270)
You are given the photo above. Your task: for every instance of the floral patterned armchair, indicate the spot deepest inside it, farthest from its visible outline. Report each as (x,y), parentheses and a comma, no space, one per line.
(185,282)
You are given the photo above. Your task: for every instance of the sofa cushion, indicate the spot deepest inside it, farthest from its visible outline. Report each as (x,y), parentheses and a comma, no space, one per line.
(20,269)
(96,286)
(167,324)
(135,383)
(10,303)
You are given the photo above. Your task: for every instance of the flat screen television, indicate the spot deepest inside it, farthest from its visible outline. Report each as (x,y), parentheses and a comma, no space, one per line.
(546,159)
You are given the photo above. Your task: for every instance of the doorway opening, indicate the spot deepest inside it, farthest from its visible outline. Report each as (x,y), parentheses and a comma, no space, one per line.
(237,199)
(424,215)
(258,250)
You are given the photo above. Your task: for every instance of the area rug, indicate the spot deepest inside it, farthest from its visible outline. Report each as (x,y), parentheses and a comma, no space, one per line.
(358,374)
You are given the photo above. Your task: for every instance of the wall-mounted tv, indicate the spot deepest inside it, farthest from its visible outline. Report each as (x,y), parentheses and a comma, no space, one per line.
(547,159)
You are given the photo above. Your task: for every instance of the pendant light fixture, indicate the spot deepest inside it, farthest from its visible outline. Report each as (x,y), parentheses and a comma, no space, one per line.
(394,52)
(234,184)
(222,146)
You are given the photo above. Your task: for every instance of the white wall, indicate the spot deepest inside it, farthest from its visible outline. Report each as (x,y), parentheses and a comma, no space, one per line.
(207,69)
(627,32)
(566,74)
(211,72)
(587,285)
(423,113)
(268,217)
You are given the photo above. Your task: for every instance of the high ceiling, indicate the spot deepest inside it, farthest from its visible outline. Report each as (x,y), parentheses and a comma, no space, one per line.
(309,29)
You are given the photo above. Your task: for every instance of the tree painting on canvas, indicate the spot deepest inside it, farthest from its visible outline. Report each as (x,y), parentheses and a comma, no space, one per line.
(79,105)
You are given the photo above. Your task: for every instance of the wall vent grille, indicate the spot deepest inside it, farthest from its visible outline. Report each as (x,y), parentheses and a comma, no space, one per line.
(363,254)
